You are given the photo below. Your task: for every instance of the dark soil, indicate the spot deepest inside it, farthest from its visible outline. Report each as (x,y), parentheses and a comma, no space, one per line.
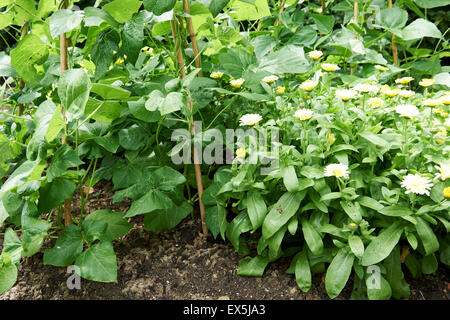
(179,264)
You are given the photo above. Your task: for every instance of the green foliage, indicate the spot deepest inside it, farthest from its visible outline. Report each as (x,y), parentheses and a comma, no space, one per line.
(113,113)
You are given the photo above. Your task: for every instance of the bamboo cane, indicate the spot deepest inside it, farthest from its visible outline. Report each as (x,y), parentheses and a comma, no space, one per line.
(198,173)
(280,12)
(21,82)
(63,62)
(323,6)
(355,19)
(193,38)
(394,45)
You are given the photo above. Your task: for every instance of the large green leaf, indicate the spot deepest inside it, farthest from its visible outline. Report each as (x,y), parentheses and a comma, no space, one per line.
(241,10)
(392,18)
(239,225)
(419,29)
(73,90)
(116,224)
(54,193)
(382,292)
(167,219)
(109,91)
(151,201)
(356,245)
(338,273)
(256,208)
(158,7)
(67,248)
(381,246)
(324,23)
(312,237)
(64,158)
(8,276)
(133,37)
(122,10)
(303,271)
(64,20)
(30,52)
(289,59)
(394,275)
(133,137)
(98,263)
(102,52)
(103,111)
(426,234)
(432,3)
(174,101)
(253,267)
(282,212)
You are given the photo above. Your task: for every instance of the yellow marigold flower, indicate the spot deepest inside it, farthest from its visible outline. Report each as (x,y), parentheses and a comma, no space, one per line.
(241,153)
(49,94)
(330,67)
(440,141)
(404,80)
(119,61)
(308,85)
(315,55)
(406,93)
(304,114)
(445,99)
(346,94)
(438,111)
(432,102)
(381,68)
(216,75)
(384,88)
(82,65)
(447,192)
(426,82)
(336,170)
(237,83)
(352,225)
(375,102)
(281,90)
(445,114)
(270,79)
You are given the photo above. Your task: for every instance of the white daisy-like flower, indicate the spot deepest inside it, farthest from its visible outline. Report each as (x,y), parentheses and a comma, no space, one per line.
(330,67)
(447,122)
(381,68)
(237,83)
(445,99)
(426,82)
(406,93)
(432,102)
(364,87)
(304,114)
(346,94)
(407,110)
(250,119)
(404,80)
(216,75)
(270,79)
(308,85)
(444,171)
(375,102)
(336,170)
(415,183)
(315,55)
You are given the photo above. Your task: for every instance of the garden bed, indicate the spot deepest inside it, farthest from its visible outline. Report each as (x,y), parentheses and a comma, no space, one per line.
(179,264)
